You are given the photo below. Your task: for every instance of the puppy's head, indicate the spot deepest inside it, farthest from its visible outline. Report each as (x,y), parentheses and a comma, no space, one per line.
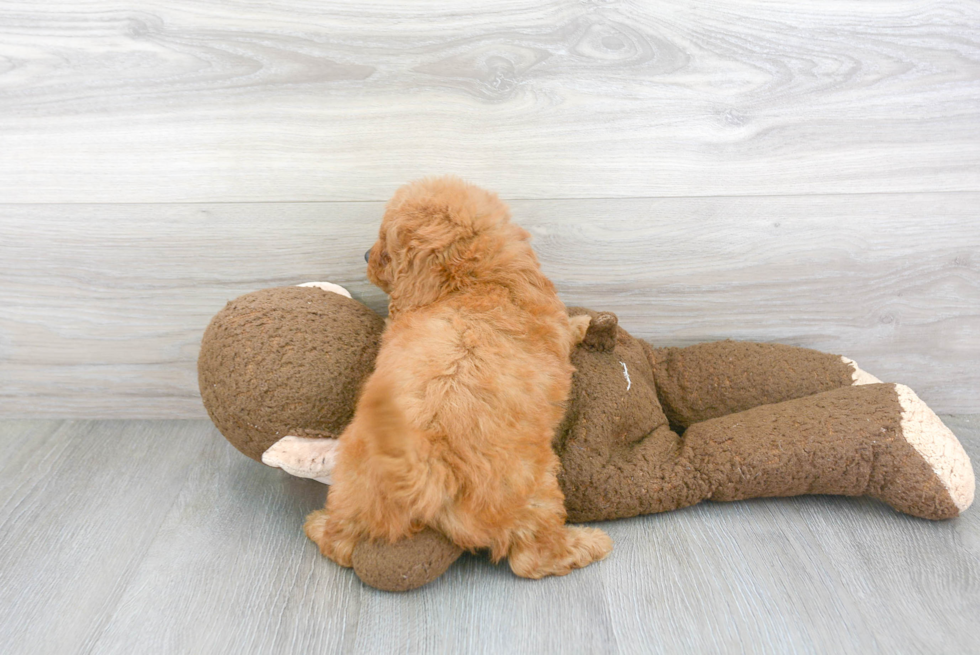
(435,232)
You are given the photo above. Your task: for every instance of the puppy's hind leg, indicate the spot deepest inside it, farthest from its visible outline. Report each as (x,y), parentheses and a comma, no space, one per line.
(333,541)
(572,547)
(549,547)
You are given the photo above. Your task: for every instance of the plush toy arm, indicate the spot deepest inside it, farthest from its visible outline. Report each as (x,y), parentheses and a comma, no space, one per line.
(302,457)
(716,379)
(406,564)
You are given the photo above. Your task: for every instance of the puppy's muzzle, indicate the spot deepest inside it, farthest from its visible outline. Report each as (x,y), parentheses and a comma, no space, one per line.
(367,256)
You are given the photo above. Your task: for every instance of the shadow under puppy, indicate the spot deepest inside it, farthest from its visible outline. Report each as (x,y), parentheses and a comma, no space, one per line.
(453,429)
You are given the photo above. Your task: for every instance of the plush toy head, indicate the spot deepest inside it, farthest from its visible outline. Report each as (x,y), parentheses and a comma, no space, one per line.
(286,361)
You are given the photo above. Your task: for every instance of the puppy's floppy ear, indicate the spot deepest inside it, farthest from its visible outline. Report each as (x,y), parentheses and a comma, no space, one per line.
(428,227)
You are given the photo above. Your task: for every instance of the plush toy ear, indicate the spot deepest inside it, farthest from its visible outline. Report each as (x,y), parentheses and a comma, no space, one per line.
(601,336)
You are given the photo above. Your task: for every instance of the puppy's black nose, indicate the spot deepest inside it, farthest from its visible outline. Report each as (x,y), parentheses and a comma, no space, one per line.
(367,256)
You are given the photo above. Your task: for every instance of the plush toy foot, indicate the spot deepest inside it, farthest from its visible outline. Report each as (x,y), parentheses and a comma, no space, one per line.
(303,457)
(942,451)
(859,376)
(406,564)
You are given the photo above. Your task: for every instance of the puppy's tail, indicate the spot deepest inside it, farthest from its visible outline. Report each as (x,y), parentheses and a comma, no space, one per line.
(397,450)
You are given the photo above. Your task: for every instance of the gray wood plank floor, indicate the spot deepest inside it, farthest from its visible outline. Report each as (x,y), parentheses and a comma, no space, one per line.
(158,537)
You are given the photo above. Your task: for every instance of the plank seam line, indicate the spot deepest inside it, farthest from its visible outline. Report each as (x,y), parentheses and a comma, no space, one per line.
(509,199)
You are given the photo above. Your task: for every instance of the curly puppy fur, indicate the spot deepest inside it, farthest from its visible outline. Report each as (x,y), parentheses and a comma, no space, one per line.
(453,429)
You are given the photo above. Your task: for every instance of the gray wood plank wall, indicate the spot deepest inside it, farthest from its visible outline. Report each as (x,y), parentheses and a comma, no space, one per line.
(776,171)
(304,100)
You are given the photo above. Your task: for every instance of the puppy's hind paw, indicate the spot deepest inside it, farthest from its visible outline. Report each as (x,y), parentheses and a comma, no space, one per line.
(581,547)
(588,545)
(315,526)
(322,531)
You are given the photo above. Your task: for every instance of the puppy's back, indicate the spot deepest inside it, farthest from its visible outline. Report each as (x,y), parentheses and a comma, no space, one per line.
(487,397)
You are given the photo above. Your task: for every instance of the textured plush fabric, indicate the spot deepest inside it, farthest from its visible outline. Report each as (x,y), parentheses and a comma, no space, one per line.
(406,564)
(617,452)
(619,455)
(752,419)
(288,360)
(709,380)
(620,459)
(848,441)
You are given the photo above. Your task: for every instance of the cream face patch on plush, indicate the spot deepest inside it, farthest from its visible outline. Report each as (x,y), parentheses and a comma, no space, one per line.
(857,375)
(303,457)
(327,286)
(938,446)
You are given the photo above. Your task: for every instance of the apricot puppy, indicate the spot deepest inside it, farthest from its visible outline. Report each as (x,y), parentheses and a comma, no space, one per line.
(453,429)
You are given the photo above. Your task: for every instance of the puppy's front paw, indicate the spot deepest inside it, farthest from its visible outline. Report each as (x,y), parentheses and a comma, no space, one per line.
(580,325)
(588,545)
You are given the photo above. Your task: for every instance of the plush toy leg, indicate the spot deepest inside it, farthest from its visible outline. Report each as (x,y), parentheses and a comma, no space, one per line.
(715,379)
(656,474)
(878,440)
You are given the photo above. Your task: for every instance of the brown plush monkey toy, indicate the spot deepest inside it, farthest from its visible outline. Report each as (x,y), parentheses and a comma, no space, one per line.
(646,430)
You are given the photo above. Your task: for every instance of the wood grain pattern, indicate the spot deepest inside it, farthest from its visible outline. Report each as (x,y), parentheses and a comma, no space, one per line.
(143,536)
(230,554)
(228,100)
(805,173)
(79,505)
(236,528)
(105,305)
